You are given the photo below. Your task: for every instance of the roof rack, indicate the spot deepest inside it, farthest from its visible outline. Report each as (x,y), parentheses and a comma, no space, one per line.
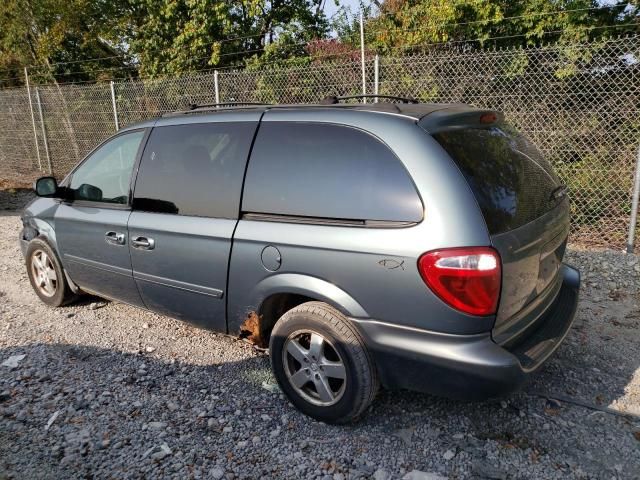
(194,108)
(332,100)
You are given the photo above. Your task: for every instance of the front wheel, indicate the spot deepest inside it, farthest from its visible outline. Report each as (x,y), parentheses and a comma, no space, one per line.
(322,364)
(46,274)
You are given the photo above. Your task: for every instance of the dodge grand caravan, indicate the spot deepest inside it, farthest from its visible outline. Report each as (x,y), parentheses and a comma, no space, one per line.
(402,245)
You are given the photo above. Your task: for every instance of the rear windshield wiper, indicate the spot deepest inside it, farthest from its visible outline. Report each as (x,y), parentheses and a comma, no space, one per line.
(559,192)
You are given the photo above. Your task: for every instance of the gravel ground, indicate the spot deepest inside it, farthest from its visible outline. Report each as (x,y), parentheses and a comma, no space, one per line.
(108,391)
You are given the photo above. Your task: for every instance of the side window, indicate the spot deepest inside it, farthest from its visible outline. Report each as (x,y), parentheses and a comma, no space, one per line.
(106,174)
(194,169)
(328,171)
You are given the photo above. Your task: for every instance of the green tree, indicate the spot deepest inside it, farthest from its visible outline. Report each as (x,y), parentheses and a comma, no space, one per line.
(58,37)
(410,25)
(176,36)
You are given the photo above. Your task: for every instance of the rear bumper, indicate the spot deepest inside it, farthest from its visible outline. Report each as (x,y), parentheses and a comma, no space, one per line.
(469,367)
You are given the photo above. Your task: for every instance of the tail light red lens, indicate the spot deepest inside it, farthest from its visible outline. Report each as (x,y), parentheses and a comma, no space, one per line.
(468,279)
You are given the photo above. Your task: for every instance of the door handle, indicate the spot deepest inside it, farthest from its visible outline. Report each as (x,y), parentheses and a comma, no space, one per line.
(143,243)
(114,238)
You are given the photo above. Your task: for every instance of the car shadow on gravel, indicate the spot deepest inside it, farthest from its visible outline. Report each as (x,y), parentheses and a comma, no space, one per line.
(78,411)
(12,201)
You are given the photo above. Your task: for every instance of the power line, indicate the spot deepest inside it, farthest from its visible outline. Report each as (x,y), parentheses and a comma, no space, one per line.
(244,37)
(503,37)
(125,55)
(503,19)
(82,61)
(354,52)
(305,43)
(516,17)
(227,69)
(341,54)
(196,59)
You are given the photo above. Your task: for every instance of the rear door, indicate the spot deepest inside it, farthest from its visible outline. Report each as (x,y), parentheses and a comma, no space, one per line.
(526,211)
(91,229)
(185,209)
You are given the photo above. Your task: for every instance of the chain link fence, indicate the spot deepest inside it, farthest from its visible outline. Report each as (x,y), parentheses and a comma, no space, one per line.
(579,103)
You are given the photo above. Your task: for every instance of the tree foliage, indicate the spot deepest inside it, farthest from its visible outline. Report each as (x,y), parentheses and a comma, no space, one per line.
(148,37)
(59,36)
(412,24)
(89,40)
(173,37)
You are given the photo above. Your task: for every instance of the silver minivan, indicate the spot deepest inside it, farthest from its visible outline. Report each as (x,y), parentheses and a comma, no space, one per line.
(394,244)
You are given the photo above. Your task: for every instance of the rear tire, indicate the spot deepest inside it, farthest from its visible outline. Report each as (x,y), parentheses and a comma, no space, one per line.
(46,275)
(322,363)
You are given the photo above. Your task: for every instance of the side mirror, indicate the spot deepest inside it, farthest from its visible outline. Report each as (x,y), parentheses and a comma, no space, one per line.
(46,187)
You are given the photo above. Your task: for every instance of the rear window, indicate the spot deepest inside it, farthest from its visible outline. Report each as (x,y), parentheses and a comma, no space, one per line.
(511,180)
(327,171)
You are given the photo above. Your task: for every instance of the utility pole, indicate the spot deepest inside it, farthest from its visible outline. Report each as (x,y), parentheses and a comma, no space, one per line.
(634,207)
(364,78)
(216,86)
(115,108)
(376,77)
(44,131)
(33,118)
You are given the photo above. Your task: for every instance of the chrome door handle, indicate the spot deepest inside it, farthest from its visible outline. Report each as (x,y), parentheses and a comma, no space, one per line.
(143,243)
(114,238)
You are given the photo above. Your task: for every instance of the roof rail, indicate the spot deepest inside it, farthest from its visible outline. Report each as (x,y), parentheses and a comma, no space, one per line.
(194,108)
(332,100)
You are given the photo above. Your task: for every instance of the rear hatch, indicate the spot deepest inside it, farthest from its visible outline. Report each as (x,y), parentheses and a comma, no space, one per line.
(526,211)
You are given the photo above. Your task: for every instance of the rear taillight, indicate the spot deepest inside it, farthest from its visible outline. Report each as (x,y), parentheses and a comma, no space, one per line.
(467,279)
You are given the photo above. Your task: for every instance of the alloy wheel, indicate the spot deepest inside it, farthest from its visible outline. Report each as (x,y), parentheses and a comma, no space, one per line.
(314,368)
(44,273)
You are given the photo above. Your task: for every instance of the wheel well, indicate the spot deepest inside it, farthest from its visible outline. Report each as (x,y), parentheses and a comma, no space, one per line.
(274,307)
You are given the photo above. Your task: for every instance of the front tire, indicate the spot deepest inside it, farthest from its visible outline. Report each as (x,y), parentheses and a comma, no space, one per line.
(322,363)
(46,274)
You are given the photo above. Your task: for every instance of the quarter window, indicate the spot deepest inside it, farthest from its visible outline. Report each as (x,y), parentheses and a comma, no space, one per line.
(327,171)
(106,175)
(194,169)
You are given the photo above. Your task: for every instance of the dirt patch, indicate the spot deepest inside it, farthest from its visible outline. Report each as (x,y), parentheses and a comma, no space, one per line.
(10,185)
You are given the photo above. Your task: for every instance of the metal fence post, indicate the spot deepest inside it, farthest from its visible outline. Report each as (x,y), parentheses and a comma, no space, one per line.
(115,108)
(215,85)
(376,76)
(44,131)
(634,207)
(364,78)
(33,118)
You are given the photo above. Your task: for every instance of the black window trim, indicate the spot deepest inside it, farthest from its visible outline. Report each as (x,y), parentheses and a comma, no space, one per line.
(325,221)
(134,172)
(277,217)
